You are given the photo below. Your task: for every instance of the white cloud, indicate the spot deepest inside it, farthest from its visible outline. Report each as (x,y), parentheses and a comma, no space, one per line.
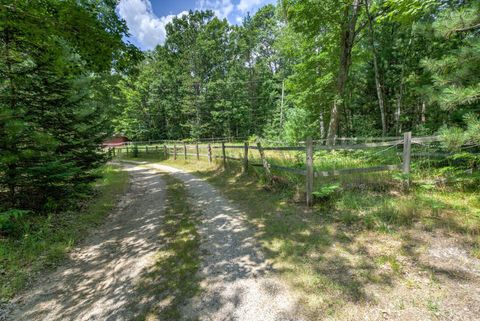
(148,30)
(221,8)
(143,24)
(248,5)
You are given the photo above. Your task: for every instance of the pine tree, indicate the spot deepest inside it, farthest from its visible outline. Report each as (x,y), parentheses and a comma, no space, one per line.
(56,60)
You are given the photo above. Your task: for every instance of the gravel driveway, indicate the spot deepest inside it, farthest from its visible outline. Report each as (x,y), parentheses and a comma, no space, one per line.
(238,283)
(98,280)
(99,277)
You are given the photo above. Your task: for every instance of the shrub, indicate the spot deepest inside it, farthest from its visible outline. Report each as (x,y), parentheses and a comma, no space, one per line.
(12,221)
(135,151)
(326,191)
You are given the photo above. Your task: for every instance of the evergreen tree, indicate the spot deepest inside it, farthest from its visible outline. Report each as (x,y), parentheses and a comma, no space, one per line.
(55,70)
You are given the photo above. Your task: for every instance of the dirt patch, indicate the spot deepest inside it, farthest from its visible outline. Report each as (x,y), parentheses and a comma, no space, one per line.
(432,277)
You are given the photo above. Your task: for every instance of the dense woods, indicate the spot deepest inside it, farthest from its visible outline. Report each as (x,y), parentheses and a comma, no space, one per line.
(352,68)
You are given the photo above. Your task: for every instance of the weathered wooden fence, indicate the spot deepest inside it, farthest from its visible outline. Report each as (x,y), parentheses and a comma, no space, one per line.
(310,147)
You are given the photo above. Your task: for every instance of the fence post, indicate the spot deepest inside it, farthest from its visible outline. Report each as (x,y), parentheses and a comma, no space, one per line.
(309,177)
(198,154)
(127,150)
(209,153)
(245,158)
(266,166)
(185,150)
(224,155)
(156,149)
(174,151)
(146,149)
(407,148)
(114,151)
(165,150)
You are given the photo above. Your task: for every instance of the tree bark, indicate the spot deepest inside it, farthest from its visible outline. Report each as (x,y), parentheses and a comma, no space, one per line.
(423,112)
(398,112)
(322,125)
(346,44)
(11,172)
(378,85)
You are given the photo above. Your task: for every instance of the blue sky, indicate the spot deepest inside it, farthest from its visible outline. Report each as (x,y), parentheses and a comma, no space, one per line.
(146,19)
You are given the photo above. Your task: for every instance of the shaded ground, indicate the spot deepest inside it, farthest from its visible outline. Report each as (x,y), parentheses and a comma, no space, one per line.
(237,281)
(97,281)
(119,272)
(342,268)
(337,271)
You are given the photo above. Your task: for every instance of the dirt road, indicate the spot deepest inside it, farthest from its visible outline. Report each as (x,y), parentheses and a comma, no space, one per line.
(238,283)
(98,279)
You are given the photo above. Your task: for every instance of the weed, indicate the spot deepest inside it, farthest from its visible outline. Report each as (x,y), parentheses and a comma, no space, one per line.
(391,261)
(326,191)
(433,306)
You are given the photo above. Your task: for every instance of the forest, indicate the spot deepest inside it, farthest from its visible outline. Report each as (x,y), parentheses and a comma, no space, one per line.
(292,72)
(346,69)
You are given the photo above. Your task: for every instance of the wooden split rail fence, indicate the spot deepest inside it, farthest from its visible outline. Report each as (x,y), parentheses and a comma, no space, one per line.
(309,148)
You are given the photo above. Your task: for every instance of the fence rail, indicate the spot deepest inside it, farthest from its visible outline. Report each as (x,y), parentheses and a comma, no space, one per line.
(184,149)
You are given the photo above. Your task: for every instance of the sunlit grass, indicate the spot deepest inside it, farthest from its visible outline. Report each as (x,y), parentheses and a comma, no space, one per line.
(322,251)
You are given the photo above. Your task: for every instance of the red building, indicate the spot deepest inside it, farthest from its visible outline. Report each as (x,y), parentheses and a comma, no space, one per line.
(116,140)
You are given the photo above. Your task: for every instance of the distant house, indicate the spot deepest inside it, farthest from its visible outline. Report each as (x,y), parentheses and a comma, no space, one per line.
(115,140)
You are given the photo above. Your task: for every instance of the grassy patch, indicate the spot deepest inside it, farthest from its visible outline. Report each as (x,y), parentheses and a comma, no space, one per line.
(47,239)
(173,279)
(337,252)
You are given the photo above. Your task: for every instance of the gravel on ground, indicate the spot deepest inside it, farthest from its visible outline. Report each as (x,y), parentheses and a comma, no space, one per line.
(238,283)
(99,277)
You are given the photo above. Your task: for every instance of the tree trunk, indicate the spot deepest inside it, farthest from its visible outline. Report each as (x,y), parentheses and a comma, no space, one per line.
(281,104)
(423,112)
(322,125)
(346,44)
(11,172)
(398,125)
(378,85)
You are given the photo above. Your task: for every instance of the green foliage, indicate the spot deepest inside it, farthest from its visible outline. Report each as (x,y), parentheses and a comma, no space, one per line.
(454,72)
(35,242)
(209,79)
(12,221)
(298,126)
(326,191)
(135,150)
(455,137)
(56,96)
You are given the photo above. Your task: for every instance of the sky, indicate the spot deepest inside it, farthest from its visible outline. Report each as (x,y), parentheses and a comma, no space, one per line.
(146,19)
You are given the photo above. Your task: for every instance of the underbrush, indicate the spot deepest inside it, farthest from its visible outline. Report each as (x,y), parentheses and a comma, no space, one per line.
(438,194)
(31,242)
